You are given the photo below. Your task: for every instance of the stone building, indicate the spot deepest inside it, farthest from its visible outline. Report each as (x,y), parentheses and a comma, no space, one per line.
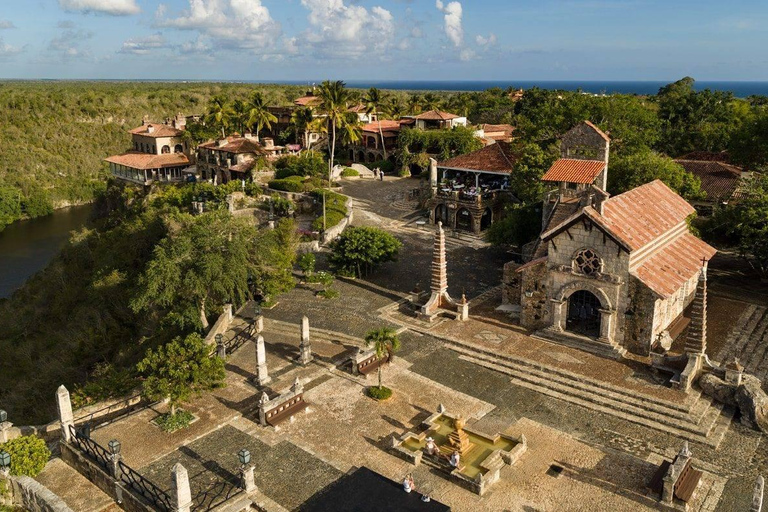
(229,159)
(377,136)
(617,273)
(721,182)
(159,153)
(437,120)
(469,191)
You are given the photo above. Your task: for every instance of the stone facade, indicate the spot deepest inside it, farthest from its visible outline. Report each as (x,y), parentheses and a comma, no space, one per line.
(586,142)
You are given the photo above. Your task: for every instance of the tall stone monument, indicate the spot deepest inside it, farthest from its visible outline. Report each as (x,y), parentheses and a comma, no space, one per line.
(182,494)
(305,349)
(66,418)
(440,299)
(696,341)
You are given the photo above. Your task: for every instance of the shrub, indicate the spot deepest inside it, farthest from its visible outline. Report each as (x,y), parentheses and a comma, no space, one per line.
(172,422)
(361,249)
(308,163)
(253,189)
(332,218)
(295,184)
(335,209)
(330,293)
(384,165)
(29,455)
(281,205)
(306,263)
(348,172)
(379,393)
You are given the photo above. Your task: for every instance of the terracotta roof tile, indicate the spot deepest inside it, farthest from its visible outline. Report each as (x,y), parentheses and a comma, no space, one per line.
(386,124)
(719,180)
(436,115)
(669,268)
(641,215)
(574,171)
(236,145)
(136,160)
(307,101)
(158,130)
(494,158)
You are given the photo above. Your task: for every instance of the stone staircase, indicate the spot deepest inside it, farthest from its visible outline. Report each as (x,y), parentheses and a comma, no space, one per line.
(427,232)
(696,418)
(569,339)
(748,341)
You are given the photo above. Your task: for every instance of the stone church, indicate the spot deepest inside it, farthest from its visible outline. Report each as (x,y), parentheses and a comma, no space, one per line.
(608,274)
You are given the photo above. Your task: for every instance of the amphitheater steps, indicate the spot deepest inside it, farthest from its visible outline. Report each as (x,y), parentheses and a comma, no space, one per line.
(739,336)
(609,351)
(697,419)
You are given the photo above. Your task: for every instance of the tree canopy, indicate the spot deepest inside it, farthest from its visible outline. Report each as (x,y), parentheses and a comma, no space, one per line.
(361,249)
(630,171)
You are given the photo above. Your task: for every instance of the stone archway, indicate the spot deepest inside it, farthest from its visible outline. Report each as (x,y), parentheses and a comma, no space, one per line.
(165,150)
(464,219)
(441,214)
(178,148)
(583,316)
(486,219)
(562,305)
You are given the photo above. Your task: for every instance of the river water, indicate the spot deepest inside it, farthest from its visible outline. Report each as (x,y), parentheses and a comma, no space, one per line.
(28,246)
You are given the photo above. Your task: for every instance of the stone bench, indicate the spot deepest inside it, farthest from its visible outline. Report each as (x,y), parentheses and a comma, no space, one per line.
(676,480)
(283,407)
(365,362)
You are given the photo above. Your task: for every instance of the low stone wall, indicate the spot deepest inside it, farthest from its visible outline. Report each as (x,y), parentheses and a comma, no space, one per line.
(221,325)
(333,233)
(114,489)
(31,495)
(305,247)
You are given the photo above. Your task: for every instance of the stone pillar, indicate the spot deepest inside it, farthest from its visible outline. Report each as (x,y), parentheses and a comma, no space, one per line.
(228,312)
(463,309)
(433,175)
(305,349)
(263,403)
(5,431)
(259,324)
(262,376)
(558,315)
(114,465)
(439,280)
(66,417)
(696,341)
(221,349)
(181,492)
(757,495)
(248,481)
(606,325)
(734,372)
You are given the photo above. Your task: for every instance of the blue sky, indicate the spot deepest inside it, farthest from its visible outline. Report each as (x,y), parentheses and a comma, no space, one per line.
(385,39)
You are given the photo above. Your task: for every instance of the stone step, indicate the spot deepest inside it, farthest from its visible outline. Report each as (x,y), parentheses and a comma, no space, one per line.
(737,344)
(754,350)
(569,376)
(679,429)
(727,350)
(290,329)
(642,406)
(609,351)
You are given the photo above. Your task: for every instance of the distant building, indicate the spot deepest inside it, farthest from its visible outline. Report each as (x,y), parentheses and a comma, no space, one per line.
(437,120)
(375,137)
(469,191)
(159,153)
(492,133)
(721,182)
(228,159)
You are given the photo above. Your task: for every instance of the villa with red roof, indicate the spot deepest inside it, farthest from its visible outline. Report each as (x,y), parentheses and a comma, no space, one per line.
(437,120)
(159,153)
(608,274)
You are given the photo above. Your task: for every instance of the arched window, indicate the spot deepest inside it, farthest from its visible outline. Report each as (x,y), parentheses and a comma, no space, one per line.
(178,149)
(587,262)
(166,149)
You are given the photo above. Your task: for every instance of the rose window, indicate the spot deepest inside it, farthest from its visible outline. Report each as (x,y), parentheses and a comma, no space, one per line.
(587,262)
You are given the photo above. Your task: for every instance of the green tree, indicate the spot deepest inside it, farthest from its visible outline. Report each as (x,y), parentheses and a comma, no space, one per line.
(394,107)
(532,163)
(219,114)
(259,114)
(302,120)
(630,171)
(335,105)
(29,455)
(306,263)
(385,342)
(179,369)
(743,225)
(374,101)
(749,145)
(520,225)
(360,249)
(10,205)
(205,262)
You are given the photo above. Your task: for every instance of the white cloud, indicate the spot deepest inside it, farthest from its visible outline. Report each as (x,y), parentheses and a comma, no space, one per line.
(143,45)
(6,50)
(452,21)
(68,44)
(350,31)
(112,7)
(486,41)
(6,24)
(227,23)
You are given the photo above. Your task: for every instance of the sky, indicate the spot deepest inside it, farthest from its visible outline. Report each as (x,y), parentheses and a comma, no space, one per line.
(284,40)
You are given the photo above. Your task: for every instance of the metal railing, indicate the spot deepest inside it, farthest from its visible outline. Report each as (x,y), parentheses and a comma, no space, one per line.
(93,450)
(151,492)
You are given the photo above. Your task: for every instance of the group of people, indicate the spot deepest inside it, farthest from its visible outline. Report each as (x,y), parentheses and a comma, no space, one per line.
(378,173)
(432,449)
(409,486)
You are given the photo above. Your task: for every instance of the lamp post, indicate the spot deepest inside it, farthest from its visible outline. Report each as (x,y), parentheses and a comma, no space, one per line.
(114,449)
(5,427)
(5,463)
(221,349)
(246,471)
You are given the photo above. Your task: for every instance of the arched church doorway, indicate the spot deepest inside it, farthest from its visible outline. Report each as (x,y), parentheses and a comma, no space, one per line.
(584,314)
(464,219)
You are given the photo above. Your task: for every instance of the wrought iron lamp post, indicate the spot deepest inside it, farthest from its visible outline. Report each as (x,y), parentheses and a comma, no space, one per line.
(3,416)
(114,449)
(246,471)
(221,349)
(5,463)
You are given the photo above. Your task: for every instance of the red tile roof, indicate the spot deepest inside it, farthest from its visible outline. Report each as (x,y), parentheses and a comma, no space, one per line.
(358,108)
(386,124)
(641,215)
(307,101)
(574,171)
(494,158)
(436,115)
(718,180)
(136,160)
(669,268)
(158,130)
(236,145)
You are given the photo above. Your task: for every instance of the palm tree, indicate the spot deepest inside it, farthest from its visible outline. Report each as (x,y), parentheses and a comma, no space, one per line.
(239,115)
(258,113)
(385,342)
(302,119)
(335,105)
(414,105)
(430,101)
(219,113)
(373,102)
(394,108)
(351,129)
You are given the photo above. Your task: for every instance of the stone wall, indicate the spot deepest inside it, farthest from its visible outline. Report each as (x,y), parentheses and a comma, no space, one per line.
(535,310)
(221,325)
(333,233)
(583,142)
(639,317)
(511,284)
(31,495)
